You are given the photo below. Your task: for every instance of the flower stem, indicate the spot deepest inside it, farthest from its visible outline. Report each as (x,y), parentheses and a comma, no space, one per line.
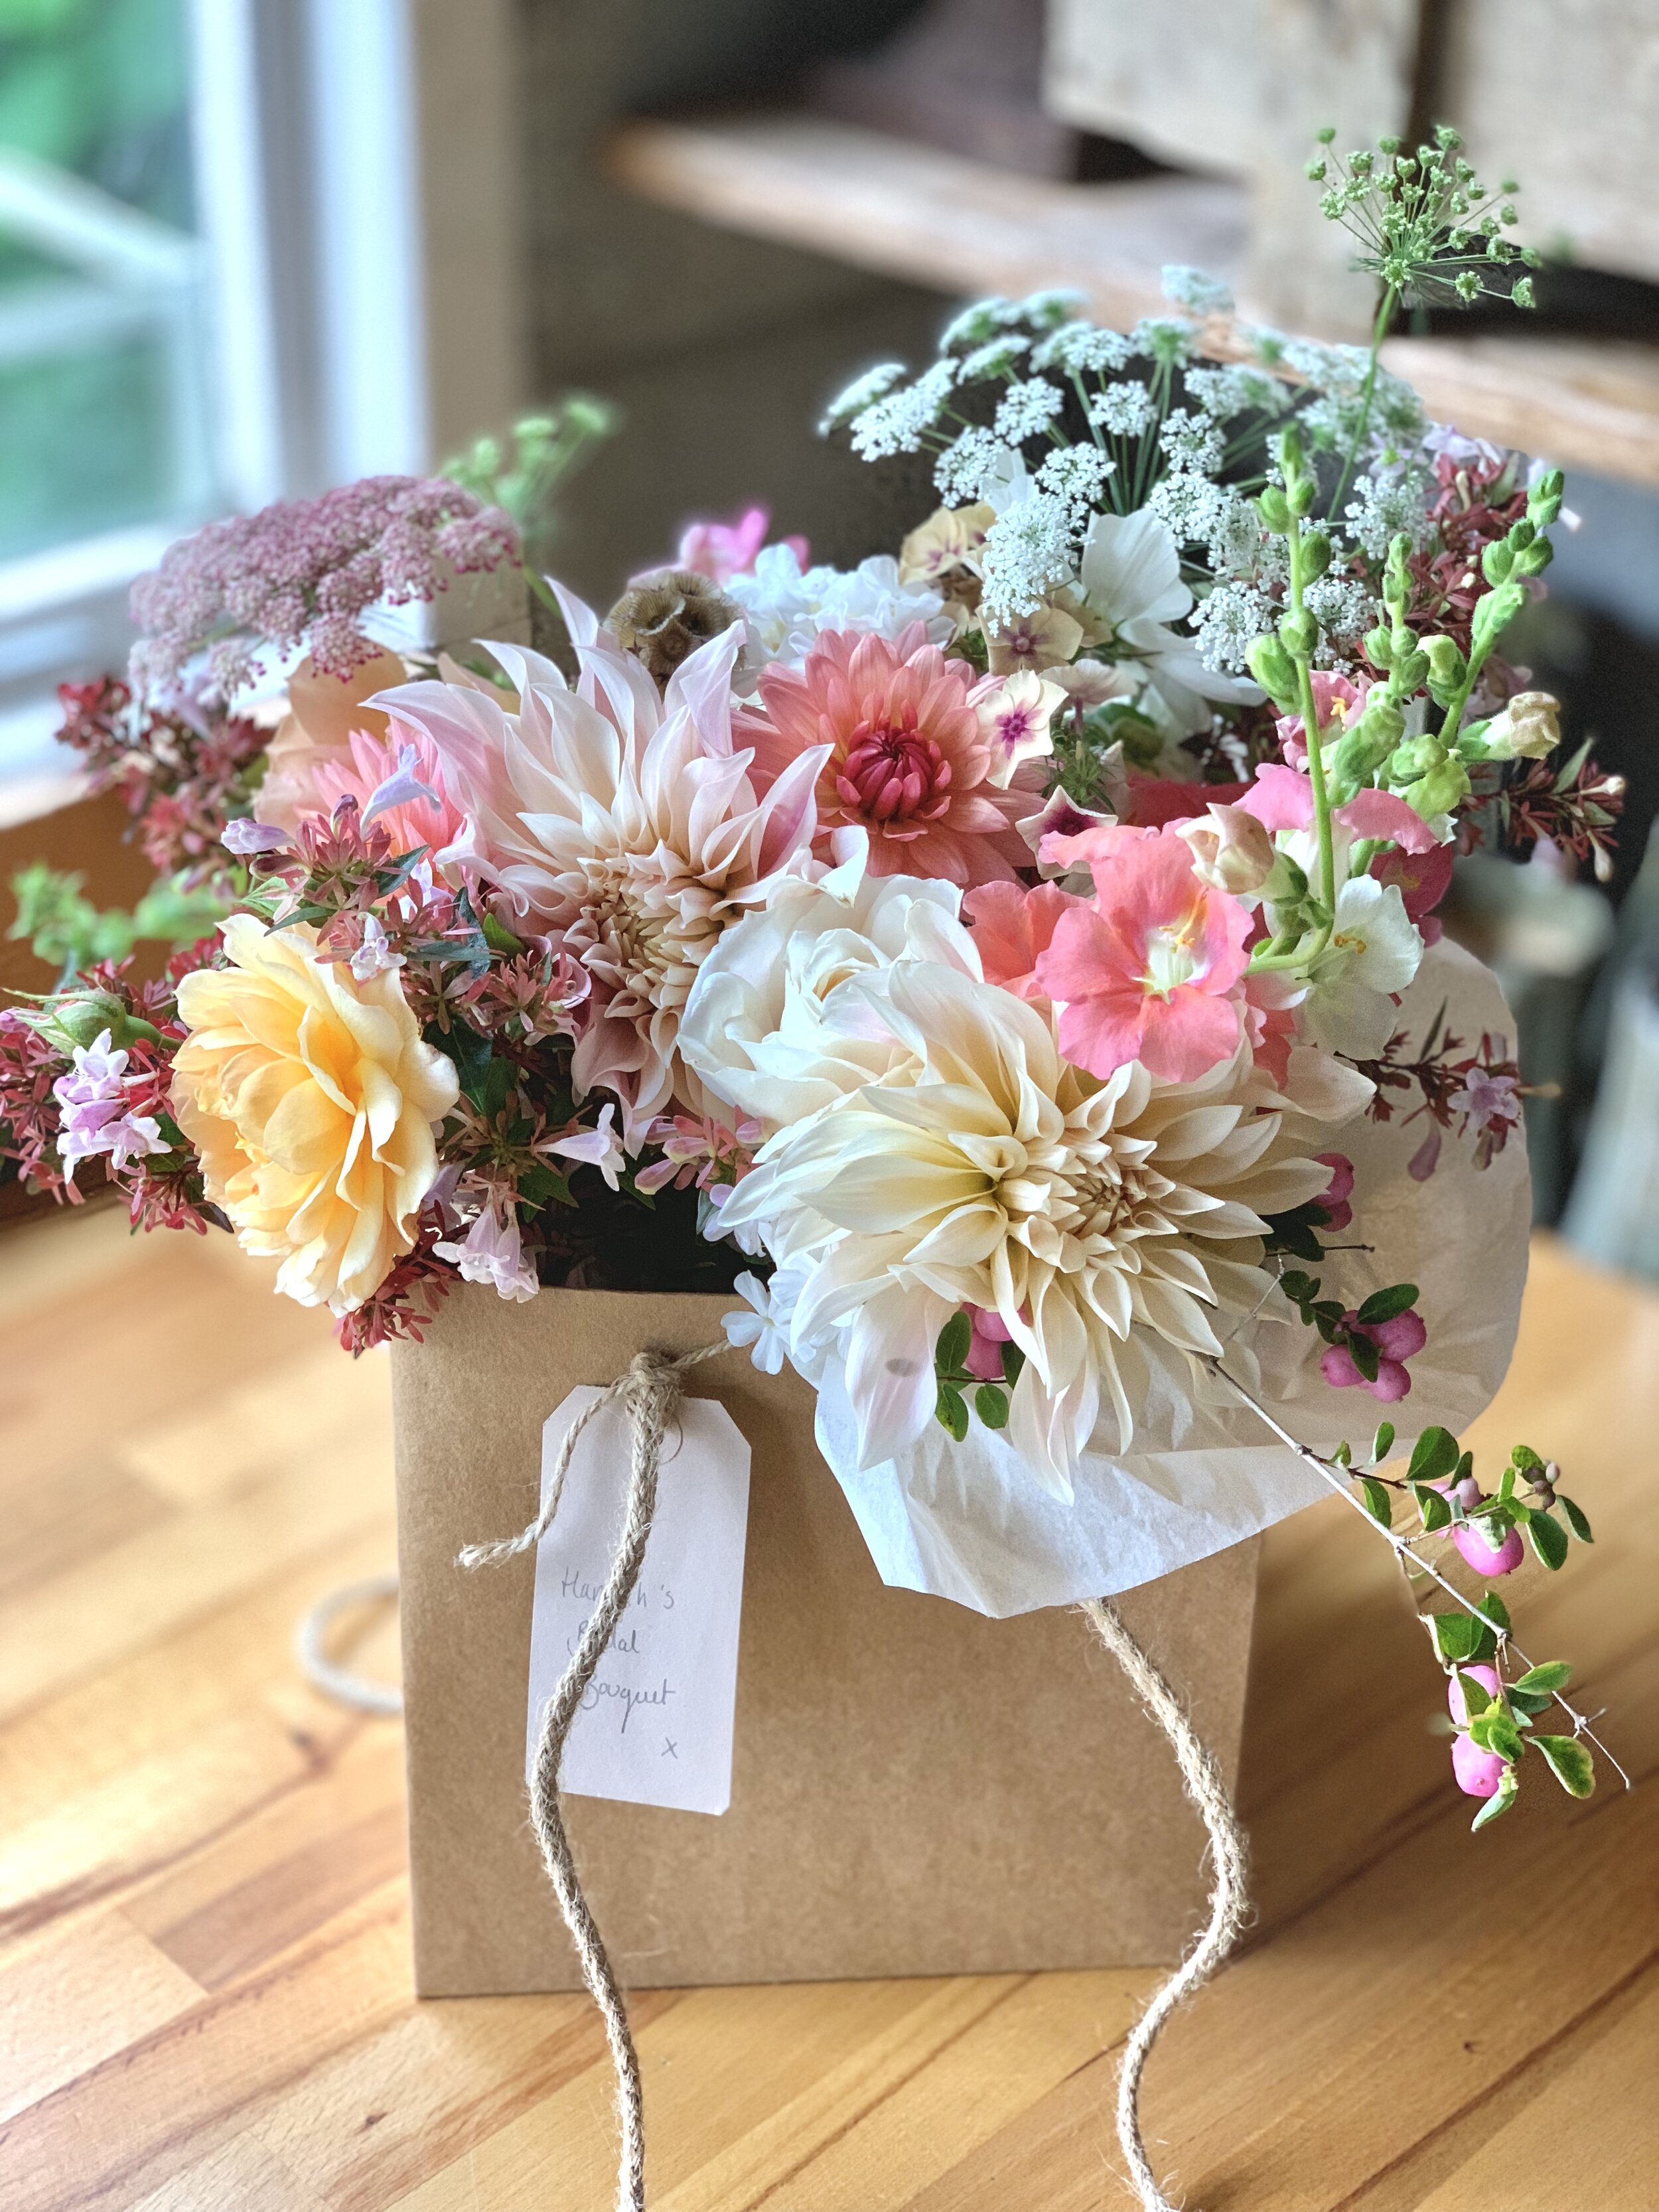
(1368,392)
(1315,737)
(1403,1549)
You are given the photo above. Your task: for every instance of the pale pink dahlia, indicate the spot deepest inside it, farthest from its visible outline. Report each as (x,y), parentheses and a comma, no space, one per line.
(623,824)
(906,759)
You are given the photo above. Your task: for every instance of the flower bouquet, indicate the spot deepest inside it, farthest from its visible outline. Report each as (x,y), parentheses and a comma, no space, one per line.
(997,987)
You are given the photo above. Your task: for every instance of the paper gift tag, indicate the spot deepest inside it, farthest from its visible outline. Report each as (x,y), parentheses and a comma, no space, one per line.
(655,1728)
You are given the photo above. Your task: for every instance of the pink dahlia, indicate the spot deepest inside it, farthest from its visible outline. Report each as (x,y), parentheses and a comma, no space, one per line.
(1147,969)
(396,781)
(908,761)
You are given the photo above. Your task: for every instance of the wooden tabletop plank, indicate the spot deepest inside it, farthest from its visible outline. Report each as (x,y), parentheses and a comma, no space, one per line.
(205,1980)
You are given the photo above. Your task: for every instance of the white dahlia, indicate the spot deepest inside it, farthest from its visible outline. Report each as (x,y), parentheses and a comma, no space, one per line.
(623,824)
(1105,1224)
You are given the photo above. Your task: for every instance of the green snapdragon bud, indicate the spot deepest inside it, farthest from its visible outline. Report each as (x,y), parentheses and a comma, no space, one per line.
(1439,790)
(1274,670)
(1316,556)
(1447,666)
(1275,510)
(1299,633)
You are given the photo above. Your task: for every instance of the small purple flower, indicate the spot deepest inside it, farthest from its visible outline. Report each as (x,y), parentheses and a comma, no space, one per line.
(245,836)
(375,955)
(1486,1099)
(493,1252)
(596,1147)
(95,1118)
(402,788)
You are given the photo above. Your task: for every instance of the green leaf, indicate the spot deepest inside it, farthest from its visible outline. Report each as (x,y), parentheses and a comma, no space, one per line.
(1528,1703)
(1477,1697)
(1499,1803)
(1526,1458)
(1343,1455)
(1495,1610)
(953,1412)
(1365,1356)
(1386,1306)
(1568,1762)
(1013,1360)
(1549,1540)
(1378,1503)
(1433,1456)
(1383,1443)
(1577,1520)
(1553,1674)
(1300,1289)
(1460,1637)
(954,1341)
(991,1404)
(1431,1504)
(1493,1730)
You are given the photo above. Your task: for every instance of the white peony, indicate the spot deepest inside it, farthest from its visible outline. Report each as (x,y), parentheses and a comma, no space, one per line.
(768,1026)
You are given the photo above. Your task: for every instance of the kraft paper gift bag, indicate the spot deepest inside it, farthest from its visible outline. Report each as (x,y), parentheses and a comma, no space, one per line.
(917,1789)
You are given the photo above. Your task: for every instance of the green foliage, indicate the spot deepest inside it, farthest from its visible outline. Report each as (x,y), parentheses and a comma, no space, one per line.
(64,929)
(525,472)
(955,1382)
(1428,228)
(1568,1762)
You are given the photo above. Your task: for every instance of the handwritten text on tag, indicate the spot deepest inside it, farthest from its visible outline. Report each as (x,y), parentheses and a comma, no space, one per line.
(655,1727)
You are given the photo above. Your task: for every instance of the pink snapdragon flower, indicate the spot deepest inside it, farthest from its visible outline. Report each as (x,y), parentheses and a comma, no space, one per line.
(1396,1341)
(721,550)
(1336,700)
(1012,928)
(1282,798)
(97,1115)
(1422,878)
(908,761)
(1147,969)
(990,1333)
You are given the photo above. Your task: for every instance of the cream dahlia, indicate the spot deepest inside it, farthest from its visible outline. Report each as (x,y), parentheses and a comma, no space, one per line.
(904,757)
(1104,1225)
(622,823)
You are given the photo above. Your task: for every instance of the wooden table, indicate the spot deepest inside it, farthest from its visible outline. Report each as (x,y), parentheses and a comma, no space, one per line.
(205,1985)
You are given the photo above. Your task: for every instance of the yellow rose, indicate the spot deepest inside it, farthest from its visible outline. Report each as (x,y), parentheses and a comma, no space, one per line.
(311,1101)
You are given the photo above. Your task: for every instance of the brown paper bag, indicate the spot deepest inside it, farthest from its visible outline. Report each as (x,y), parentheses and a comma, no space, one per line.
(915,1789)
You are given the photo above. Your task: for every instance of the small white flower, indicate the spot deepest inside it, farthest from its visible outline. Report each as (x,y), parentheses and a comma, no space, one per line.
(1082,350)
(895,424)
(1374,951)
(493,1252)
(597,1147)
(996,357)
(375,955)
(1014,721)
(1123,411)
(785,609)
(1078,475)
(1029,552)
(1027,409)
(863,392)
(1199,294)
(1191,441)
(759,1328)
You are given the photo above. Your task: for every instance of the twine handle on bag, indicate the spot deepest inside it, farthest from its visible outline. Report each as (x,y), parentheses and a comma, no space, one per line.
(650,1391)
(1201,1777)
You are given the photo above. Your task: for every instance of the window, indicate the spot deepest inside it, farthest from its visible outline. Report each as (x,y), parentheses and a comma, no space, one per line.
(218,286)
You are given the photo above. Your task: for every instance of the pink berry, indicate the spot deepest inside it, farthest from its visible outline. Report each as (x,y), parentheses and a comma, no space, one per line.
(1479,1554)
(1486,1675)
(1478,1773)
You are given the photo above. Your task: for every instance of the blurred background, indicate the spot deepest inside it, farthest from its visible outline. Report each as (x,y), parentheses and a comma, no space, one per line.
(251,248)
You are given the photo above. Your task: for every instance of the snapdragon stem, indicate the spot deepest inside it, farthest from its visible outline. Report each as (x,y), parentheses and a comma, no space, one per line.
(1403,1549)
(1315,742)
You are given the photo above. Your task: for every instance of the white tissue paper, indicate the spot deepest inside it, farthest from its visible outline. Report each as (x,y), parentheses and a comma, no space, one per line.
(967,1520)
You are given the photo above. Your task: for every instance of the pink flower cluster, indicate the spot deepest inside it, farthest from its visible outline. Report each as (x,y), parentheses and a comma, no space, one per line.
(303,571)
